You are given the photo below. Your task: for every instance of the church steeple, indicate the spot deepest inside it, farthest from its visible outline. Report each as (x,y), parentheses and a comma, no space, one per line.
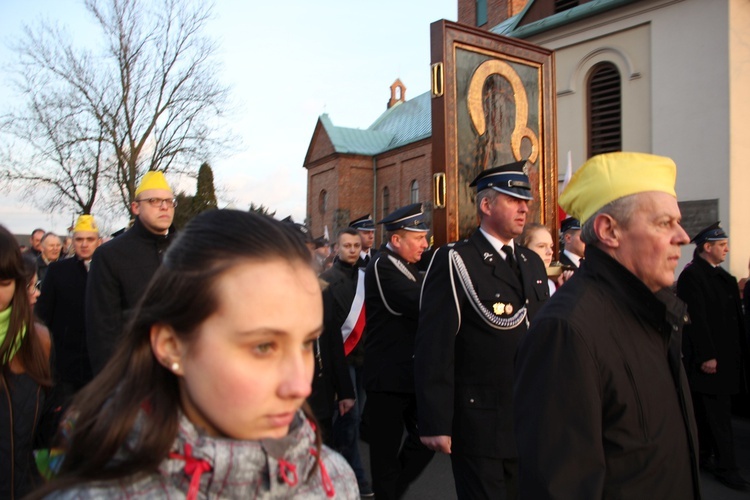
(398,93)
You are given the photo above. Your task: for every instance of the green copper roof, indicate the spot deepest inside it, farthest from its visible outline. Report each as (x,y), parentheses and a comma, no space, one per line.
(510,26)
(401,124)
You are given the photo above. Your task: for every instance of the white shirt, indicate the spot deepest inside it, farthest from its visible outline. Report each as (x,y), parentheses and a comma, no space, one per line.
(497,244)
(573,257)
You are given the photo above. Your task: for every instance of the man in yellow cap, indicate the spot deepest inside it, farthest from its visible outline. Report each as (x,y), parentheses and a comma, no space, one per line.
(602,407)
(61,308)
(122,267)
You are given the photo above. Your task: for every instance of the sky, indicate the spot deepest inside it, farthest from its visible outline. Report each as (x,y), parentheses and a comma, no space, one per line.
(285,63)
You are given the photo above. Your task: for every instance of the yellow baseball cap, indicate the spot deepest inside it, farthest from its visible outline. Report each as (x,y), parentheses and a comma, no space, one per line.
(152,180)
(608,177)
(86,223)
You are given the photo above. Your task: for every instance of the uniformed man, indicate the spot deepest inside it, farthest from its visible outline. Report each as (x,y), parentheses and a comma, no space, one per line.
(573,247)
(713,343)
(122,267)
(600,398)
(61,307)
(366,229)
(392,286)
(478,298)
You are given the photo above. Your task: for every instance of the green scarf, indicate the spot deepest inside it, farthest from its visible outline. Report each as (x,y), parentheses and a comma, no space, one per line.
(4,323)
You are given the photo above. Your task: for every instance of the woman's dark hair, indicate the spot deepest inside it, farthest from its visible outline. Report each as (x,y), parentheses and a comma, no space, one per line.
(182,295)
(31,353)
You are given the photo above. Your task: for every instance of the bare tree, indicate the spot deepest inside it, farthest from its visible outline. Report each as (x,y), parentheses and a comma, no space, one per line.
(150,100)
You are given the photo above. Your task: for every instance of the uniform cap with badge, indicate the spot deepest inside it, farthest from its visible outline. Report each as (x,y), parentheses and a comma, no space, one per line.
(411,218)
(609,177)
(364,223)
(510,179)
(569,224)
(714,232)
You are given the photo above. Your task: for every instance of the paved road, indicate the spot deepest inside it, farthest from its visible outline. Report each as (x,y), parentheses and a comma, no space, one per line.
(436,483)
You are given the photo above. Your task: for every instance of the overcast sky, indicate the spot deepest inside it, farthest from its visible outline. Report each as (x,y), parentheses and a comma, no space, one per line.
(286,63)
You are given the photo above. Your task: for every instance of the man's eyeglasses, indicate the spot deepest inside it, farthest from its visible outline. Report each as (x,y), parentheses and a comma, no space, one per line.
(158,202)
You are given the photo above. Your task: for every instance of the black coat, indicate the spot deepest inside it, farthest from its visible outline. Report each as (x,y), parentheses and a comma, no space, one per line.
(61,308)
(120,271)
(392,288)
(331,381)
(716,329)
(474,310)
(602,407)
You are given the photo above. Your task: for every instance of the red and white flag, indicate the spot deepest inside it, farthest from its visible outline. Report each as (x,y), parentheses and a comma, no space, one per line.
(354,325)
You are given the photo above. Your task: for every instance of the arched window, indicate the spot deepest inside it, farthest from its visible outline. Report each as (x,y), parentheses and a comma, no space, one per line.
(386,201)
(414,192)
(323,201)
(604,109)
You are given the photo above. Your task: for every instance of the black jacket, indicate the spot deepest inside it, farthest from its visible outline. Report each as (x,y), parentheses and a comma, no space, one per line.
(331,381)
(601,402)
(716,328)
(473,312)
(120,271)
(392,288)
(28,421)
(61,308)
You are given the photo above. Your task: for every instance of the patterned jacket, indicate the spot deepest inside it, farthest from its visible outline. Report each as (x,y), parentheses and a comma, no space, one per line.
(202,467)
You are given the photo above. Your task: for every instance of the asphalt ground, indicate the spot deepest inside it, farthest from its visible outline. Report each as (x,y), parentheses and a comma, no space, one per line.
(436,482)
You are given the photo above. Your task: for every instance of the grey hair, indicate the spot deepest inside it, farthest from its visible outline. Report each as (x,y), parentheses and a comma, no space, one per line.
(488,193)
(620,210)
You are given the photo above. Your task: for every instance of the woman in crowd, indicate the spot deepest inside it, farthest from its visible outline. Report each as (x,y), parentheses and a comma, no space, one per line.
(204,396)
(28,413)
(537,237)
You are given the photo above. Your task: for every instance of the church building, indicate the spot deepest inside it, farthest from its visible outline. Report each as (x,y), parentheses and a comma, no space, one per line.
(668,77)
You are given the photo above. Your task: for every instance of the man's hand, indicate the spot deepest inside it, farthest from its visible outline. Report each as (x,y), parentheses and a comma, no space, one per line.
(345,405)
(709,366)
(437,443)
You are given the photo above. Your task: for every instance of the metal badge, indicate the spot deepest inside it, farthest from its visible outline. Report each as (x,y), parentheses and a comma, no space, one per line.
(508,308)
(498,308)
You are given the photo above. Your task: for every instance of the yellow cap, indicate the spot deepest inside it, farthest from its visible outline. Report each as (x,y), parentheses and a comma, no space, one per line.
(152,180)
(86,223)
(608,177)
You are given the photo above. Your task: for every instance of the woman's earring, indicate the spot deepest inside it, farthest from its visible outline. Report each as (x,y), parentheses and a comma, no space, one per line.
(175,366)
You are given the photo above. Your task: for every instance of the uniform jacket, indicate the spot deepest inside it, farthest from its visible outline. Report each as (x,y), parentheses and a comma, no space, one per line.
(120,271)
(392,288)
(228,468)
(716,329)
(602,407)
(61,308)
(565,260)
(473,312)
(331,381)
(361,261)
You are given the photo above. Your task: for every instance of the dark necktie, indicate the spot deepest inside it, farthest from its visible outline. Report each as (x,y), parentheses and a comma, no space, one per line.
(511,261)
(366,260)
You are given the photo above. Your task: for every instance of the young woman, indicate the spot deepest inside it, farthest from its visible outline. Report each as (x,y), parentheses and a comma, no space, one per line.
(203,397)
(28,412)
(537,237)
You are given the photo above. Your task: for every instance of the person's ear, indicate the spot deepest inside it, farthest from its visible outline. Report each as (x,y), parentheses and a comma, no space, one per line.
(167,347)
(607,230)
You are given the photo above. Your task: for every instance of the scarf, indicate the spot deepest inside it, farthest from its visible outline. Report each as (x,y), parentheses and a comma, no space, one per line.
(4,323)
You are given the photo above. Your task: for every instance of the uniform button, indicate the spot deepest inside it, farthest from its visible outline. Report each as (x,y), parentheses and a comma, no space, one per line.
(497,295)
(685,318)
(471,400)
(674,328)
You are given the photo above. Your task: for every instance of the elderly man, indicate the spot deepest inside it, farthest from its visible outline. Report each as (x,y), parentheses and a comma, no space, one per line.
(573,247)
(478,297)
(713,345)
(122,267)
(61,307)
(51,246)
(365,226)
(602,408)
(392,287)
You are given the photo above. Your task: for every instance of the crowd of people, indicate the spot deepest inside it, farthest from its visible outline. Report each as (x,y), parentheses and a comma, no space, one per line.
(242,358)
